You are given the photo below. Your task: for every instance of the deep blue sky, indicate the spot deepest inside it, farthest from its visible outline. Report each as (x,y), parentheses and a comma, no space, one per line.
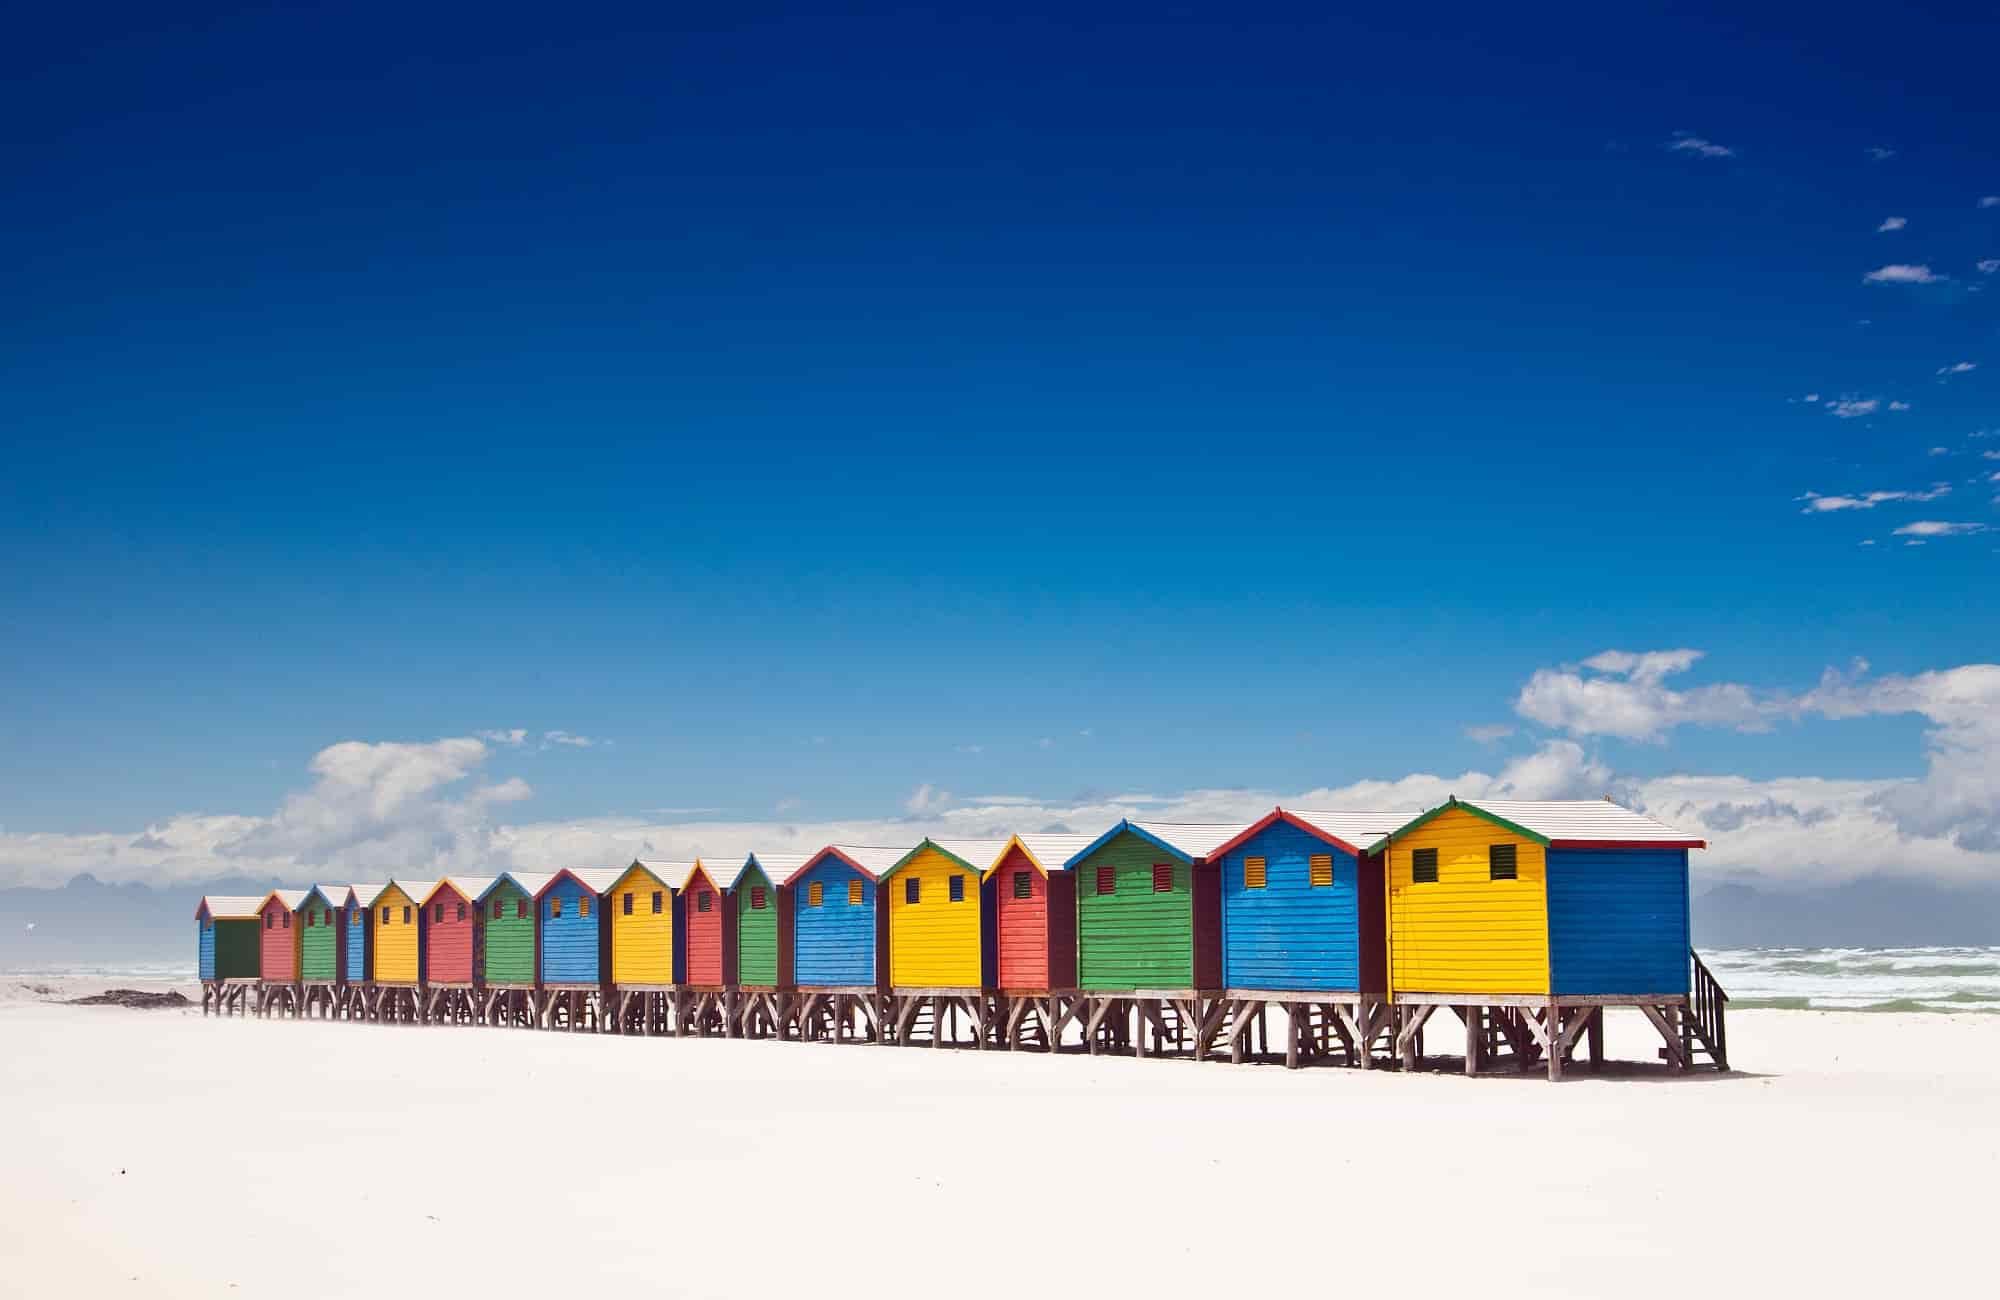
(793,398)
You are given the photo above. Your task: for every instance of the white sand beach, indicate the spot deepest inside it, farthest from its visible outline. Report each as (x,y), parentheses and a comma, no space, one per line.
(158,1154)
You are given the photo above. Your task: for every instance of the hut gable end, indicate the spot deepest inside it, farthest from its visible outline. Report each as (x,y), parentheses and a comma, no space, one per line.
(1466,932)
(1282,931)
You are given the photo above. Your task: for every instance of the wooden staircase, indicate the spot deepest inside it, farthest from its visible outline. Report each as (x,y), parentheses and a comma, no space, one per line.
(1704,1028)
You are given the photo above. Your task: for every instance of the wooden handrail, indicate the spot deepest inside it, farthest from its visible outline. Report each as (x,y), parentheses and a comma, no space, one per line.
(1709,1011)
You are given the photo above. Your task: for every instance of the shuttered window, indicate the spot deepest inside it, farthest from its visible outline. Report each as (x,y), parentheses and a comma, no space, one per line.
(1107,880)
(407,911)
(288,920)
(1024,886)
(520,909)
(703,901)
(1502,861)
(626,905)
(354,917)
(310,914)
(385,916)
(913,889)
(854,893)
(1253,873)
(1163,878)
(657,900)
(958,889)
(555,909)
(1319,869)
(583,906)
(814,894)
(437,913)
(1424,867)
(461,911)
(756,898)
(270,920)
(497,905)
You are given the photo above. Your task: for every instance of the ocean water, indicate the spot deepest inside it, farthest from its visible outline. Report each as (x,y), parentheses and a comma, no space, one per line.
(1860,979)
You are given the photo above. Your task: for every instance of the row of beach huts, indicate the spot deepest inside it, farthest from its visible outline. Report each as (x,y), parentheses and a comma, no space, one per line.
(1526,920)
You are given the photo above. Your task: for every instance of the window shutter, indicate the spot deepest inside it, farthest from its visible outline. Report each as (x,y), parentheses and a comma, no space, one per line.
(1253,873)
(756,898)
(1107,880)
(958,889)
(555,909)
(408,911)
(913,889)
(270,920)
(1320,866)
(656,902)
(583,906)
(814,894)
(1024,885)
(625,906)
(437,913)
(288,920)
(309,918)
(1424,867)
(520,909)
(854,893)
(703,901)
(461,911)
(1163,878)
(1503,861)
(385,916)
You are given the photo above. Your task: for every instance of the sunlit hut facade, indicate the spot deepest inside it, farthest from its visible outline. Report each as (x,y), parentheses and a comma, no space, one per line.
(763,943)
(1149,935)
(644,946)
(1034,936)
(450,925)
(940,966)
(1302,929)
(838,941)
(708,925)
(357,951)
(278,953)
(1529,919)
(227,952)
(322,920)
(509,947)
(576,949)
(392,995)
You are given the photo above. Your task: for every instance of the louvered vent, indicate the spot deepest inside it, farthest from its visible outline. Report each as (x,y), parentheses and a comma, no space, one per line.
(1424,867)
(1320,866)
(854,893)
(756,898)
(1107,880)
(815,894)
(1254,873)
(1163,878)
(1024,886)
(1502,861)
(913,889)
(957,888)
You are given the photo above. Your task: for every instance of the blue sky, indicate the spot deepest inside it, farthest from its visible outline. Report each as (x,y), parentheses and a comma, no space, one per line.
(808,409)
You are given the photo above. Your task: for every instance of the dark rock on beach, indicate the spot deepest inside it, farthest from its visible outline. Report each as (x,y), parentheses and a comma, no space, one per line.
(132,998)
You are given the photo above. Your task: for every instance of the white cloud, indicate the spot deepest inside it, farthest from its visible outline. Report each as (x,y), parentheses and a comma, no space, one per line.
(1940,451)
(1899,406)
(1618,693)
(516,736)
(1687,142)
(1939,528)
(1988,266)
(1901,273)
(1819,505)
(1990,201)
(926,798)
(1488,734)
(1879,154)
(1812,397)
(1989,455)
(1848,408)
(568,738)
(1958,367)
(1892,223)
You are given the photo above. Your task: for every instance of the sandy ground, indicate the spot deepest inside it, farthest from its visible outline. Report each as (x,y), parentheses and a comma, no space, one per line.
(154,1153)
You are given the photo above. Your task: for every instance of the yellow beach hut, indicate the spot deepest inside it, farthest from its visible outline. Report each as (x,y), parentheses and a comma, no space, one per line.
(397,951)
(643,947)
(941,963)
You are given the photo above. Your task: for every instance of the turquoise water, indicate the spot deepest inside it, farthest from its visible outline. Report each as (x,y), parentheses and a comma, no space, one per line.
(1861,979)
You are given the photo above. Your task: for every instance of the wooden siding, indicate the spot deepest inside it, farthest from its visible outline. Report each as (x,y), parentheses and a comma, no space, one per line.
(1467,933)
(237,951)
(354,943)
(1618,920)
(448,943)
(1289,934)
(319,941)
(756,934)
(277,943)
(204,938)
(642,944)
(934,942)
(833,945)
(1021,931)
(508,955)
(395,938)
(1134,938)
(704,933)
(572,943)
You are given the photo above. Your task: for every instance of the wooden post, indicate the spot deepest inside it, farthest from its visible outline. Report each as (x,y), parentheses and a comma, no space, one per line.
(1596,1040)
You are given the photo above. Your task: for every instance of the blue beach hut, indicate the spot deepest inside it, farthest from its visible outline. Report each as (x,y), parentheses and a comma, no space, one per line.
(838,938)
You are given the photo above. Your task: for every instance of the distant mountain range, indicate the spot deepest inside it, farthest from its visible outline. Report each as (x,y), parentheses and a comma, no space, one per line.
(88,922)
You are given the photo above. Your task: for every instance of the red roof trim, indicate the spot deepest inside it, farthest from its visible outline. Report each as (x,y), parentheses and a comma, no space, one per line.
(1271,819)
(581,883)
(1628,844)
(822,855)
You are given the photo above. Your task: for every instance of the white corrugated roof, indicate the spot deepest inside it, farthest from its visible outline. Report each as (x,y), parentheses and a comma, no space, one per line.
(1583,821)
(530,883)
(597,879)
(336,896)
(233,907)
(1051,851)
(1362,830)
(778,867)
(1196,839)
(471,888)
(722,872)
(871,858)
(293,899)
(415,890)
(978,854)
(364,894)
(671,874)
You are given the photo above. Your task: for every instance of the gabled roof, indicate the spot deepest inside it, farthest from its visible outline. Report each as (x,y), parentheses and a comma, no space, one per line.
(597,881)
(293,899)
(969,854)
(722,872)
(364,894)
(334,896)
(871,860)
(776,868)
(1564,823)
(1046,852)
(414,890)
(1188,841)
(531,883)
(231,907)
(1351,831)
(469,888)
(667,873)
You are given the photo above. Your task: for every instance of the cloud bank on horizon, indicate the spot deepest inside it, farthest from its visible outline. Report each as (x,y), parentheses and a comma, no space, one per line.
(375,809)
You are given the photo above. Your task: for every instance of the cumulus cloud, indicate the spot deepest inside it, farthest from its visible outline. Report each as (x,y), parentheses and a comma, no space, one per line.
(1901,273)
(1849,408)
(513,736)
(1819,505)
(926,798)
(1688,142)
(1618,693)
(1892,223)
